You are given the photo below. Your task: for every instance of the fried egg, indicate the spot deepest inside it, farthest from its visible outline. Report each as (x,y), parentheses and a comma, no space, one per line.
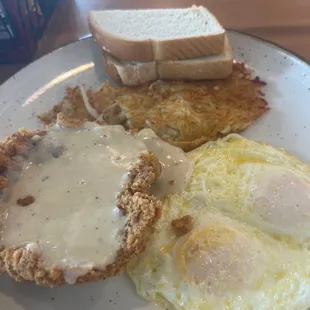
(255,183)
(247,248)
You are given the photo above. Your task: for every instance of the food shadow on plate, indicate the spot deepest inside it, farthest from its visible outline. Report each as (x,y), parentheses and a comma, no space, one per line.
(114,293)
(97,55)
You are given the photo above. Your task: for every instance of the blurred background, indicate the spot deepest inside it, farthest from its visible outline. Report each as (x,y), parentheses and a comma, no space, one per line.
(32,28)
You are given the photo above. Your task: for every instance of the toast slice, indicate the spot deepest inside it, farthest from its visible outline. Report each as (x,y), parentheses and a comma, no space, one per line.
(129,73)
(158,34)
(203,68)
(136,73)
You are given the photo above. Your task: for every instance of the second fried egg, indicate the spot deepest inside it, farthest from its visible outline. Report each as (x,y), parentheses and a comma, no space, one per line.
(248,246)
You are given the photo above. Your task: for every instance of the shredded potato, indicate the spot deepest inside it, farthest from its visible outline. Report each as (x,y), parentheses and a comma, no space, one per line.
(186,114)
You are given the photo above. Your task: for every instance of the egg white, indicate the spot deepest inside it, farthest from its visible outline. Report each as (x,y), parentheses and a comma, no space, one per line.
(255,183)
(249,245)
(236,266)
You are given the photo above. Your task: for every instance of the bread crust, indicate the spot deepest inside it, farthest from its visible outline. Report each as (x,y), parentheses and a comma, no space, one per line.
(130,74)
(188,48)
(141,210)
(199,71)
(134,74)
(111,69)
(134,50)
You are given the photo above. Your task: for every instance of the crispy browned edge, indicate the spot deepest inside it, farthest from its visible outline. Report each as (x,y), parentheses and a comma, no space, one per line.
(184,144)
(141,209)
(188,146)
(133,50)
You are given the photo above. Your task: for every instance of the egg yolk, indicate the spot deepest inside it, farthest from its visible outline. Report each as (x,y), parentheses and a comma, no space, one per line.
(217,258)
(282,199)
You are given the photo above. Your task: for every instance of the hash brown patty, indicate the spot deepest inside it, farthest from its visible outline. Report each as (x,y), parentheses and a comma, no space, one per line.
(185,114)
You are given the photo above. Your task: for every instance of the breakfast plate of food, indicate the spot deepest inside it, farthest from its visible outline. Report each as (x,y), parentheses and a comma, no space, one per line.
(162,163)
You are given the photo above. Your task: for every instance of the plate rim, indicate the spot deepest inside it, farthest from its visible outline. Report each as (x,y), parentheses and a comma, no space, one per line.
(239,32)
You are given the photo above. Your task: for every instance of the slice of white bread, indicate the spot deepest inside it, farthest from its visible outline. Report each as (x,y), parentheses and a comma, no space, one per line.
(158,34)
(136,73)
(128,72)
(203,68)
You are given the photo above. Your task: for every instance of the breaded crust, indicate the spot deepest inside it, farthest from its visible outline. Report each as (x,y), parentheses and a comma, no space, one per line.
(141,210)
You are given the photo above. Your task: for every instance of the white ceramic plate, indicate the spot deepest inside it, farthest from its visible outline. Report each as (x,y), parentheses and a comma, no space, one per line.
(39,86)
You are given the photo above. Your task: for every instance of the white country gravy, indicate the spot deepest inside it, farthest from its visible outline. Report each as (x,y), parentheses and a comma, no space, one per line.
(74,219)
(176,168)
(74,176)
